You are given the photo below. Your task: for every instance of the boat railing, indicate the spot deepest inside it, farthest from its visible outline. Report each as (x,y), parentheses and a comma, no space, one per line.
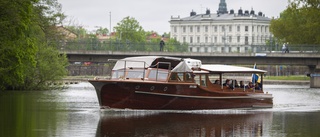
(129,65)
(132,70)
(158,64)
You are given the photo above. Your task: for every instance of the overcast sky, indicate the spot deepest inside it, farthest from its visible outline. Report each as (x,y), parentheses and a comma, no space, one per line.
(154,14)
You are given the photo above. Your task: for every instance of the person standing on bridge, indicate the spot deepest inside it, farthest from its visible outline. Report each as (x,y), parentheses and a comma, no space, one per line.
(284,48)
(162,44)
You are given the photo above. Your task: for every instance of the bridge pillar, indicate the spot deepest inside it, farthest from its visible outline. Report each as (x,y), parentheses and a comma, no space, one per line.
(314,76)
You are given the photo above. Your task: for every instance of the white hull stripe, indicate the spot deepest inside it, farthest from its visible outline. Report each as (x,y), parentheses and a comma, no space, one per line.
(204,97)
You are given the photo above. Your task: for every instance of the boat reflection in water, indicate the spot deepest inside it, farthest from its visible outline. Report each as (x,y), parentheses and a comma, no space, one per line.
(195,123)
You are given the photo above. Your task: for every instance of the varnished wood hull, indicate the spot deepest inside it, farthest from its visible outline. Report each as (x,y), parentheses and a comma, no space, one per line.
(172,96)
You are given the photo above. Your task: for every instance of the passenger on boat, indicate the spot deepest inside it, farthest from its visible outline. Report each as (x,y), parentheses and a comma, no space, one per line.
(242,84)
(235,83)
(227,84)
(250,85)
(217,82)
(257,86)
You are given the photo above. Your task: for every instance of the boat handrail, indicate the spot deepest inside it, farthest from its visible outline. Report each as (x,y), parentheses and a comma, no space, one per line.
(169,66)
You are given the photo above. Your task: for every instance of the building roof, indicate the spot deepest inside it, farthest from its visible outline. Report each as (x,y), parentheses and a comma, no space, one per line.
(221,17)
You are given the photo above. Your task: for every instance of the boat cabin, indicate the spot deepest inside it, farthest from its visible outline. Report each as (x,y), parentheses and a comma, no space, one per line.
(182,71)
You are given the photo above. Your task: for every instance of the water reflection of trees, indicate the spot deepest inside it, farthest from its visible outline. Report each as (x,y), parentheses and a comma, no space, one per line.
(183,124)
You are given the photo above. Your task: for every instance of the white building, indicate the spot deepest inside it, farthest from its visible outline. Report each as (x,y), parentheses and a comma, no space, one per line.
(223,31)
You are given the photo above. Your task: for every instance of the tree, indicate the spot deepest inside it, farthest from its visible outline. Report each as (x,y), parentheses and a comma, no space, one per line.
(102,31)
(79,30)
(129,30)
(16,48)
(299,23)
(28,41)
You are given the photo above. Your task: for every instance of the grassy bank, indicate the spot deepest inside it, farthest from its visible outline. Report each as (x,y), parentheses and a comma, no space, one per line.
(292,77)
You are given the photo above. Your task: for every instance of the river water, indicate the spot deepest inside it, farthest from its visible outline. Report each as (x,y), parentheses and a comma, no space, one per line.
(75,112)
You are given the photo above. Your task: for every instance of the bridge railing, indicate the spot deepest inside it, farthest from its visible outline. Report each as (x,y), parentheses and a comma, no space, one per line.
(122,46)
(173,47)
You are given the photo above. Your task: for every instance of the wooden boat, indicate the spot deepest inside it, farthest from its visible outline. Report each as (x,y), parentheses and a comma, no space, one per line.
(169,83)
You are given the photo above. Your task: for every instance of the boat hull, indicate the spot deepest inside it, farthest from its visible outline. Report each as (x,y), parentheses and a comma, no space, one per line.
(172,96)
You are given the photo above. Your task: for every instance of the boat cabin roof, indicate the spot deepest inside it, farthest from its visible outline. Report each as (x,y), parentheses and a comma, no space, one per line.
(179,65)
(230,69)
(170,63)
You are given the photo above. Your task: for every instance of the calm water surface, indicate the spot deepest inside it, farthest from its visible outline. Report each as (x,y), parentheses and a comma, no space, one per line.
(75,112)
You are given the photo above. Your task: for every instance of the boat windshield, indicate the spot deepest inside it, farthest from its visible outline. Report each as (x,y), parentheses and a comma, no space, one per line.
(129,73)
(158,75)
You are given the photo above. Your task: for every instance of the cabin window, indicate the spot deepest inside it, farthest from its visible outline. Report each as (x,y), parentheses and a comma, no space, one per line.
(135,73)
(188,77)
(162,75)
(176,77)
(118,74)
(197,79)
(201,80)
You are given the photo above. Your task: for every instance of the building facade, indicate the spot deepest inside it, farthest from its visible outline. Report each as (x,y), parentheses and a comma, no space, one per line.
(241,31)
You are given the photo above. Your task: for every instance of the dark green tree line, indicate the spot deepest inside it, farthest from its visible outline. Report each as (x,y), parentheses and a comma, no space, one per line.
(28,49)
(299,23)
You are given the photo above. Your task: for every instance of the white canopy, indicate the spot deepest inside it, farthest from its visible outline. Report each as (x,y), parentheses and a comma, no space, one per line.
(141,61)
(230,69)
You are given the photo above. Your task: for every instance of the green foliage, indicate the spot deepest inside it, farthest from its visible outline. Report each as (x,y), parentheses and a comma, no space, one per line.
(102,31)
(80,31)
(129,30)
(28,29)
(299,23)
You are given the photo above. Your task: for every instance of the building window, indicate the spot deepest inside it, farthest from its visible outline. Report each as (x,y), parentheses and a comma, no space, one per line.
(238,49)
(198,29)
(252,39)
(252,28)
(184,40)
(198,39)
(238,28)
(261,39)
(222,49)
(206,28)
(206,39)
(246,40)
(215,39)
(191,39)
(191,29)
(230,28)
(230,39)
(175,29)
(184,29)
(246,49)
(261,28)
(223,28)
(238,39)
(215,29)
(198,49)
(206,49)
(246,28)
(190,49)
(266,29)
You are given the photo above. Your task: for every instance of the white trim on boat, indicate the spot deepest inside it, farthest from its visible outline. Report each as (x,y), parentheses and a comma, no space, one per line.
(205,97)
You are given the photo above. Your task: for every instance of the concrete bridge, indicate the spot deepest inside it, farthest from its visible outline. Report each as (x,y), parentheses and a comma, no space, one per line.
(312,60)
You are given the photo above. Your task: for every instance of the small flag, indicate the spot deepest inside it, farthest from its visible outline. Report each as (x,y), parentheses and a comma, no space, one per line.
(255,77)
